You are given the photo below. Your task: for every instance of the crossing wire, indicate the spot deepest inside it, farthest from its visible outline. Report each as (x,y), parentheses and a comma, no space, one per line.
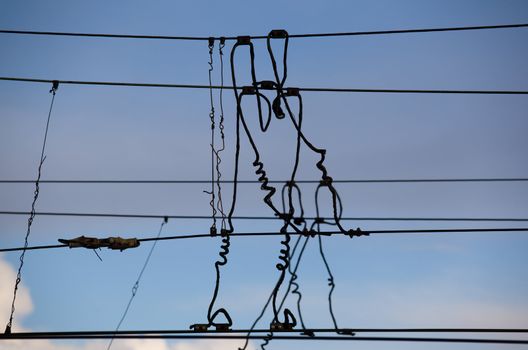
(309,35)
(308,89)
(201,217)
(328,233)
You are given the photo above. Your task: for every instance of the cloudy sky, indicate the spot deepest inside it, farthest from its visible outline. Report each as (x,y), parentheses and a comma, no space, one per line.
(444,280)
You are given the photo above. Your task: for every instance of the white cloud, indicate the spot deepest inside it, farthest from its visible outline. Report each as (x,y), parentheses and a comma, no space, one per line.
(24,307)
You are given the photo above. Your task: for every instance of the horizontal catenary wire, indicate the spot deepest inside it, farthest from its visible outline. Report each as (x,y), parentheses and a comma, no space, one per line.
(312,89)
(264,336)
(312,35)
(308,330)
(515,179)
(328,233)
(199,217)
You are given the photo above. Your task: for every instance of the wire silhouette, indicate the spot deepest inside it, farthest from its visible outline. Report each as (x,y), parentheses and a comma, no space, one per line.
(312,35)
(34,336)
(135,287)
(307,89)
(314,233)
(224,248)
(213,152)
(208,217)
(349,181)
(32,214)
(220,204)
(331,281)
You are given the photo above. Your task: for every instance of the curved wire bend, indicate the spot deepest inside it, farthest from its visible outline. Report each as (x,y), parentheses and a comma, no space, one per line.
(325,178)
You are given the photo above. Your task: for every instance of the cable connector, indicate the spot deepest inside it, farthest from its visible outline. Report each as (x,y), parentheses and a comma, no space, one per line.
(249,90)
(357,233)
(267,84)
(212,231)
(54,86)
(292,91)
(211,41)
(278,34)
(115,243)
(243,40)
(327,181)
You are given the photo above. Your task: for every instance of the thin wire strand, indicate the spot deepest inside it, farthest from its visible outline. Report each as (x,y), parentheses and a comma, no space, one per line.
(135,287)
(206,217)
(257,37)
(327,233)
(32,213)
(307,89)
(213,151)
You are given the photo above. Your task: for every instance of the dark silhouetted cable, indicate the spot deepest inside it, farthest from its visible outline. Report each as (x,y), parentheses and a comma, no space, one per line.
(307,89)
(30,336)
(312,35)
(327,233)
(201,217)
(505,179)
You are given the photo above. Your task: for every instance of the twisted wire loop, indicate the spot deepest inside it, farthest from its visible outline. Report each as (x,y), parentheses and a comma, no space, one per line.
(294,92)
(331,281)
(214,153)
(224,248)
(265,307)
(135,287)
(54,88)
(261,172)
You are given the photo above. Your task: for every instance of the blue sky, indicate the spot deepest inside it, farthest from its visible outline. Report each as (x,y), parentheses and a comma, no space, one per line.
(459,280)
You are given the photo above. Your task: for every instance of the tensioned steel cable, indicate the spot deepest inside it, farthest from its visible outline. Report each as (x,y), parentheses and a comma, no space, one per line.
(205,217)
(135,287)
(34,336)
(327,233)
(504,179)
(311,35)
(307,89)
(9,325)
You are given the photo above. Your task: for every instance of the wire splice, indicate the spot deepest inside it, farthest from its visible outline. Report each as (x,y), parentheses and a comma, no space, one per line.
(114,243)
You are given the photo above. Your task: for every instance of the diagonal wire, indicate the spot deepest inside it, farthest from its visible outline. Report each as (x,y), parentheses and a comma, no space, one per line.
(32,213)
(135,287)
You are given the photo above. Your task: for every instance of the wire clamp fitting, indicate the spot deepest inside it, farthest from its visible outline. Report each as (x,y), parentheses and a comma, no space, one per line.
(212,231)
(249,90)
(199,327)
(278,34)
(277,326)
(54,86)
(267,84)
(357,233)
(243,40)
(293,91)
